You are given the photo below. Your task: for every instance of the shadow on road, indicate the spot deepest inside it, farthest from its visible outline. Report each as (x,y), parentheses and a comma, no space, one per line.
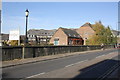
(97,71)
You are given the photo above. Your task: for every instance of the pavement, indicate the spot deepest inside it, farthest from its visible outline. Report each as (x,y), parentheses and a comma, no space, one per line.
(16,62)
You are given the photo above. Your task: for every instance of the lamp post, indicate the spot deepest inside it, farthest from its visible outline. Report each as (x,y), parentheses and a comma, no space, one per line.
(111,36)
(85,40)
(26,13)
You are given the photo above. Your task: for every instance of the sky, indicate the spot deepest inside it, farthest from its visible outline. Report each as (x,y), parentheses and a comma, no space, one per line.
(52,15)
(60,0)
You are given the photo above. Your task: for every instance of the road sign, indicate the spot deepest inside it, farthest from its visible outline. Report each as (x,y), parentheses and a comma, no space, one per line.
(14,35)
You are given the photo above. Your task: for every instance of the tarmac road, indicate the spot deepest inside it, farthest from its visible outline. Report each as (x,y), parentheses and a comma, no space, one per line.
(38,68)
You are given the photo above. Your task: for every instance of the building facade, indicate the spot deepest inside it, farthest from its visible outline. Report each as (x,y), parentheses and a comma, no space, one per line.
(4,38)
(116,34)
(40,36)
(85,31)
(64,36)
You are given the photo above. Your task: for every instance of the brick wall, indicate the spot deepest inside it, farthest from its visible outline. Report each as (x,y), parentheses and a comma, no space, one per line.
(63,40)
(85,32)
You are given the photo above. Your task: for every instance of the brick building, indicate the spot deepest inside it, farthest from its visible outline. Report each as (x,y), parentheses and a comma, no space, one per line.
(64,36)
(85,31)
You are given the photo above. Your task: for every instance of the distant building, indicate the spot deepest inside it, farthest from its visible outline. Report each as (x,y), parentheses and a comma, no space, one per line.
(40,36)
(64,36)
(85,31)
(115,33)
(22,39)
(4,38)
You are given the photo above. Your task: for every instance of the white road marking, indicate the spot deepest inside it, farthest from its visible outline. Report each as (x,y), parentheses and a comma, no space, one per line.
(36,75)
(76,63)
(100,56)
(69,65)
(111,53)
(81,61)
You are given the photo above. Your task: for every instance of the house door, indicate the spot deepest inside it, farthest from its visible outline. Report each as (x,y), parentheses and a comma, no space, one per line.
(56,41)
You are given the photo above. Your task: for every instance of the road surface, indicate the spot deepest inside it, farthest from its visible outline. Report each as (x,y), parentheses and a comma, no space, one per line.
(88,65)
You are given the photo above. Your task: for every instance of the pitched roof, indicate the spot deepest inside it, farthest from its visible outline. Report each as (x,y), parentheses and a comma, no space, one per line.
(41,32)
(115,33)
(70,32)
(86,25)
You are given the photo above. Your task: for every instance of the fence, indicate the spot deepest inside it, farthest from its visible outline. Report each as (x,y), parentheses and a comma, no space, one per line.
(19,52)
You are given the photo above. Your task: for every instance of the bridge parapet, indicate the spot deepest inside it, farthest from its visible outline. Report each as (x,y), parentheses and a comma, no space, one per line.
(19,52)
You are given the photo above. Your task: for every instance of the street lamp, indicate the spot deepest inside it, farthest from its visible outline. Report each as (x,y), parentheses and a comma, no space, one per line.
(85,40)
(26,13)
(111,38)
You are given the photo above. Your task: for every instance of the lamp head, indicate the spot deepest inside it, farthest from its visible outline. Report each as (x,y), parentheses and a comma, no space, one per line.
(26,12)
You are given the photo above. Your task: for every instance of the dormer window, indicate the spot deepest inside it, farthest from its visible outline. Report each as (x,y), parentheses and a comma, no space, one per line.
(69,35)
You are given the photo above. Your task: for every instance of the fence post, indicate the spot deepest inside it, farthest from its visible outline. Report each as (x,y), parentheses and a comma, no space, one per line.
(23,52)
(88,48)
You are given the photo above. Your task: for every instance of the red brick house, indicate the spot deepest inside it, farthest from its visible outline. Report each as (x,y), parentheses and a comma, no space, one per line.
(64,36)
(85,31)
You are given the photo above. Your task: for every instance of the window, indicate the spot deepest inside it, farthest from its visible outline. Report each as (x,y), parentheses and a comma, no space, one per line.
(28,35)
(74,35)
(69,35)
(44,39)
